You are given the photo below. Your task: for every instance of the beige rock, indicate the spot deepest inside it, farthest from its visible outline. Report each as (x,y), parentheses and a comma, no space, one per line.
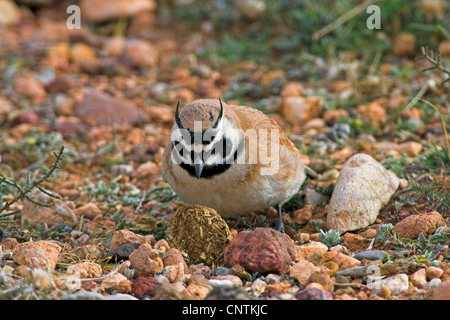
(373,112)
(84,270)
(173,273)
(404,45)
(198,291)
(306,251)
(434,272)
(251,9)
(345,262)
(147,169)
(162,245)
(81,52)
(444,48)
(411,148)
(56,213)
(419,278)
(28,86)
(362,188)
(173,256)
(9,13)
(9,244)
(114,46)
(103,109)
(442,291)
(117,282)
(141,53)
(89,211)
(104,10)
(302,216)
(125,236)
(333,116)
(292,89)
(298,110)
(145,261)
(37,254)
(302,270)
(432,8)
(413,225)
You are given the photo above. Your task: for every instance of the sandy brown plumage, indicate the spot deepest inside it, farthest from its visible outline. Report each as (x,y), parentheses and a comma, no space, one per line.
(242,188)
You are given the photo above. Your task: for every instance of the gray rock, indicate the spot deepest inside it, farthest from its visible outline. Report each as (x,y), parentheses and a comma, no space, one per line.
(370,255)
(362,188)
(120,296)
(312,197)
(339,132)
(84,296)
(222,271)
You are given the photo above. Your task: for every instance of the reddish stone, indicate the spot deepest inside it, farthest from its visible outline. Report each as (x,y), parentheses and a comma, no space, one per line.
(144,286)
(263,250)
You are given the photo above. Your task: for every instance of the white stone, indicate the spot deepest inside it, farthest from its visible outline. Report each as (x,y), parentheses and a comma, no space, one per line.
(361,190)
(397,284)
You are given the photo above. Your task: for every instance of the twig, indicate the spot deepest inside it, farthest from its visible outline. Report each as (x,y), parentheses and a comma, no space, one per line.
(28,187)
(435,60)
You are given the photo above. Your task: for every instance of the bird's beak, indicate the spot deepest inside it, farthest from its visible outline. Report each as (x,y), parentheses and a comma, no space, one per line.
(198,164)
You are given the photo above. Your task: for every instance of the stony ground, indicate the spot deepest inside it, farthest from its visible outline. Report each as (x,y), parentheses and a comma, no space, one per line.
(85,116)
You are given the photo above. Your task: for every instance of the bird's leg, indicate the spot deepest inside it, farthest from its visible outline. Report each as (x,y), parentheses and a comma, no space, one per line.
(279,225)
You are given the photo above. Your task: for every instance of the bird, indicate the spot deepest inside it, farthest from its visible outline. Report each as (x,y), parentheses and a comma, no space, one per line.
(233,159)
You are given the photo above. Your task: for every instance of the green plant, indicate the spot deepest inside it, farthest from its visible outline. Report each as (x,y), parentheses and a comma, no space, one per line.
(317,225)
(437,197)
(435,60)
(23,191)
(330,238)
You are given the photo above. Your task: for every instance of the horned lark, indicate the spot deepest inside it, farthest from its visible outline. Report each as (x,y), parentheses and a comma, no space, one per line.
(234,159)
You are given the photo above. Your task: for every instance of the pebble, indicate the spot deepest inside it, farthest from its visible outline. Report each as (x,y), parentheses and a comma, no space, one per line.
(122,252)
(145,261)
(105,10)
(120,296)
(258,286)
(87,295)
(302,216)
(302,270)
(362,188)
(313,294)
(263,250)
(125,236)
(299,110)
(144,286)
(370,255)
(216,282)
(9,13)
(434,272)
(37,254)
(396,284)
(221,271)
(84,270)
(117,282)
(442,291)
(306,251)
(339,132)
(419,278)
(103,109)
(412,226)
